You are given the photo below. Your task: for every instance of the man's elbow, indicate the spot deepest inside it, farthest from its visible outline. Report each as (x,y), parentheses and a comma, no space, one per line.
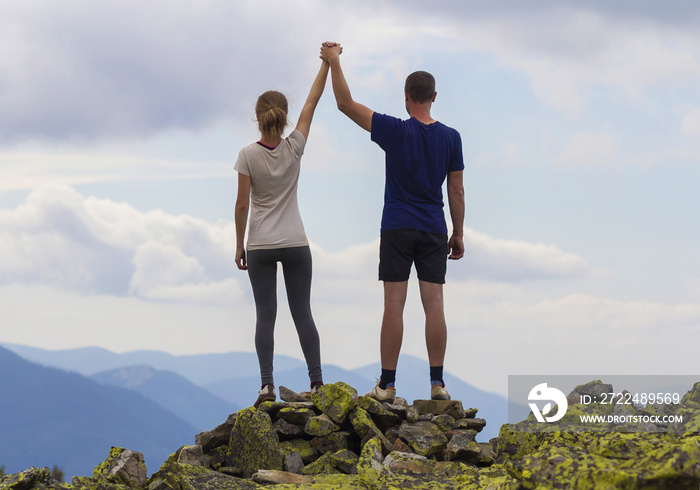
(344,106)
(456,193)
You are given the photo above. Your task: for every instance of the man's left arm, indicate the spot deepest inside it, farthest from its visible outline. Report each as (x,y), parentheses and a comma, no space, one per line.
(455,198)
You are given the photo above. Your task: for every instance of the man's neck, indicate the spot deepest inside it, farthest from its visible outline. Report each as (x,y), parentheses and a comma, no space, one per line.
(421,113)
(427,121)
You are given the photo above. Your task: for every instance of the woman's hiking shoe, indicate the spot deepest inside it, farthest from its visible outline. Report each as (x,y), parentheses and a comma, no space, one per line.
(381,395)
(315,386)
(314,389)
(438,392)
(267,394)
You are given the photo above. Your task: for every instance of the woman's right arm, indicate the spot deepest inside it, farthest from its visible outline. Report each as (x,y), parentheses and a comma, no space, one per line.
(307,113)
(241,216)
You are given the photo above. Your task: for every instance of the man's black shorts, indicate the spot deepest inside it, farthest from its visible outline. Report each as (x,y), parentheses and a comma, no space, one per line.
(399,249)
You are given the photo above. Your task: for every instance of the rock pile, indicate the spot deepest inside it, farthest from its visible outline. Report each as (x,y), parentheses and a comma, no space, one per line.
(645,454)
(335,439)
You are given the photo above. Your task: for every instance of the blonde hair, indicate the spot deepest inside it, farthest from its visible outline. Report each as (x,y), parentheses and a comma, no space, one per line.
(271,112)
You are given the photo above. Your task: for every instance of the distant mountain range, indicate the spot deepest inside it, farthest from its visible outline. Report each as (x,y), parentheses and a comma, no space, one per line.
(199,391)
(199,369)
(195,405)
(52,417)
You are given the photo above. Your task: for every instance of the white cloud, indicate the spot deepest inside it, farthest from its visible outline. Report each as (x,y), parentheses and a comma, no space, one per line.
(61,238)
(512,260)
(131,70)
(159,265)
(29,169)
(568,48)
(516,332)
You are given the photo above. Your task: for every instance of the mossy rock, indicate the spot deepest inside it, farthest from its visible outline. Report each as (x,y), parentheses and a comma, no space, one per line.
(369,465)
(254,443)
(334,442)
(122,466)
(188,477)
(691,400)
(320,426)
(303,447)
(336,400)
(361,422)
(296,416)
(345,461)
(600,459)
(25,479)
(323,465)
(382,417)
(424,438)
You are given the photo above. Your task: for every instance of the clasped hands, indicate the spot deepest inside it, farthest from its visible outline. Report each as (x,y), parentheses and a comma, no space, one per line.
(330,50)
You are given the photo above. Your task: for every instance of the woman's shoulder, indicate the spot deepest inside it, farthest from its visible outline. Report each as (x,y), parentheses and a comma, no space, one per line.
(296,142)
(296,136)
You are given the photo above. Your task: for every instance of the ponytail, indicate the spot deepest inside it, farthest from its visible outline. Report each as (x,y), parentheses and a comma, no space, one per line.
(271,112)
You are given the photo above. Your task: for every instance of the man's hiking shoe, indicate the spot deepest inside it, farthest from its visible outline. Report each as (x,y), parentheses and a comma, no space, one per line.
(381,395)
(438,392)
(267,394)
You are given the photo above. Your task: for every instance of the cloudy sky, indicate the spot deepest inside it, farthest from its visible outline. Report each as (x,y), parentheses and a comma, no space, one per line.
(120,123)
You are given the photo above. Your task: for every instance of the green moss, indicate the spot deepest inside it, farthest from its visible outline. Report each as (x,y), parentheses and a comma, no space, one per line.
(24,479)
(600,459)
(369,466)
(361,422)
(320,426)
(190,477)
(303,447)
(324,465)
(336,400)
(424,438)
(345,461)
(102,469)
(254,443)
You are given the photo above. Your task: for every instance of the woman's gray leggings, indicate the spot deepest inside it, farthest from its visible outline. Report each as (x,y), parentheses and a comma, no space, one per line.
(262,270)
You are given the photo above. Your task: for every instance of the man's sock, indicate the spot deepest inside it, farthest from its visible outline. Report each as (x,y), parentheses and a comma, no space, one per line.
(436,376)
(387,379)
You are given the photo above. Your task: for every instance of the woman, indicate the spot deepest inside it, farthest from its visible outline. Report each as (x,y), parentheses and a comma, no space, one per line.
(268,172)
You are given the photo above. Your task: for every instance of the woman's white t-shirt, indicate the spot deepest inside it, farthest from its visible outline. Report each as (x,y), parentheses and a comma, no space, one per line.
(275,221)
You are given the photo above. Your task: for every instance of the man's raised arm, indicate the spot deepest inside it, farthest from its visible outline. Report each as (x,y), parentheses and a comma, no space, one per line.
(362,115)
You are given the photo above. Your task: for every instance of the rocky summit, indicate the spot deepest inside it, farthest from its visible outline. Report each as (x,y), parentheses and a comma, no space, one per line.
(335,439)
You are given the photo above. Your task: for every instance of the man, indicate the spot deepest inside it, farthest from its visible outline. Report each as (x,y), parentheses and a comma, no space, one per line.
(420,154)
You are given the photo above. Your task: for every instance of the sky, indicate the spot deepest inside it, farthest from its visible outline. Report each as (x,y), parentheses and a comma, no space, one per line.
(120,123)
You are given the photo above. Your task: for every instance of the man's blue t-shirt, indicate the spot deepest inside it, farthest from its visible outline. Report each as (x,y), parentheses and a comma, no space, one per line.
(418,159)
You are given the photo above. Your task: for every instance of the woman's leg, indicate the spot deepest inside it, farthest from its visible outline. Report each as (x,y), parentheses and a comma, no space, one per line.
(296,264)
(262,271)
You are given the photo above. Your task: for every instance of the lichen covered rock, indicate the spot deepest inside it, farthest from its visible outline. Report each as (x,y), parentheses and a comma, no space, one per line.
(176,476)
(123,466)
(254,443)
(321,425)
(424,438)
(335,400)
(600,459)
(28,478)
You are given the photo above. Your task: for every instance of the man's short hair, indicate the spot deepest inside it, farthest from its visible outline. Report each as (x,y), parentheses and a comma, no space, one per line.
(420,86)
